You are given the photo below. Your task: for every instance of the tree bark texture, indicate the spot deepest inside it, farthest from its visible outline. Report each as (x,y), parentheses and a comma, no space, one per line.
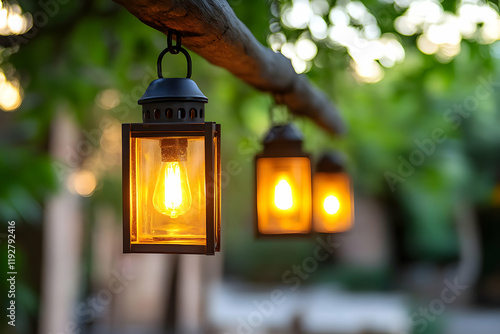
(211,29)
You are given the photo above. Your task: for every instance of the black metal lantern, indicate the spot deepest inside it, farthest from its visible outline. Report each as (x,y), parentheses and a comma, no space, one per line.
(171,170)
(333,204)
(283,184)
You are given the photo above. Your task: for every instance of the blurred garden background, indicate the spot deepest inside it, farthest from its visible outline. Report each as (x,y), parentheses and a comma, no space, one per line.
(417,83)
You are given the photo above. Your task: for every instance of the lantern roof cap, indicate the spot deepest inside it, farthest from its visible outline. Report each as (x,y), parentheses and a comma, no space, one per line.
(284,133)
(283,141)
(172,89)
(331,162)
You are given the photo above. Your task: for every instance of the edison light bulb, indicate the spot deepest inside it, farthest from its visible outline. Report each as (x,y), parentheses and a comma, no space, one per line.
(331,205)
(283,198)
(172,196)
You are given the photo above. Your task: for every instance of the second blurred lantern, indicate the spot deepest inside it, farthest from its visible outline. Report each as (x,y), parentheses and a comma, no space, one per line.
(283,184)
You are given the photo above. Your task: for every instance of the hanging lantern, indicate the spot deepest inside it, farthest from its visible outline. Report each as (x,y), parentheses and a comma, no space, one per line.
(283,184)
(333,205)
(171,170)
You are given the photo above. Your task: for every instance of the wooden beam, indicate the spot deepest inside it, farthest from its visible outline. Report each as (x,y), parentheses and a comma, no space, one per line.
(211,29)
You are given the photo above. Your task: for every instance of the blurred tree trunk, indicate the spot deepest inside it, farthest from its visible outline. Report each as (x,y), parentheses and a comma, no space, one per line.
(189,294)
(368,243)
(142,303)
(196,275)
(471,257)
(62,241)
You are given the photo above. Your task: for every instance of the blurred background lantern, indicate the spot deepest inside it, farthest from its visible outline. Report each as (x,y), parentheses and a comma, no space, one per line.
(283,184)
(333,201)
(171,170)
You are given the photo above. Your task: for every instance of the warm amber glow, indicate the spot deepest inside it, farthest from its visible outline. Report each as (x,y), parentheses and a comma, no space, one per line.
(168,203)
(82,182)
(172,195)
(13,21)
(496,195)
(108,99)
(283,198)
(284,195)
(331,204)
(10,94)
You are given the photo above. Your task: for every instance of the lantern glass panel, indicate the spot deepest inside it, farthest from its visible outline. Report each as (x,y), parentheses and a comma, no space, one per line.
(168,203)
(332,202)
(284,195)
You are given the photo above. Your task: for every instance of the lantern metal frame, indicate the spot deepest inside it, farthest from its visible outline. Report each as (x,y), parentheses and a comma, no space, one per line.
(282,141)
(161,96)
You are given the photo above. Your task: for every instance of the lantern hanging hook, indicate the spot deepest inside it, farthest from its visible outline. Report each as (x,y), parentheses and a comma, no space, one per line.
(278,112)
(272,106)
(174,49)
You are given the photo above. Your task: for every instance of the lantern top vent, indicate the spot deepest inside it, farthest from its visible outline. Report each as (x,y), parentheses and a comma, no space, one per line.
(173,89)
(283,141)
(331,162)
(283,133)
(173,100)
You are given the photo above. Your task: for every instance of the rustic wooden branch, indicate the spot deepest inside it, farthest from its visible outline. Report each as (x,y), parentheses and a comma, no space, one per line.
(212,29)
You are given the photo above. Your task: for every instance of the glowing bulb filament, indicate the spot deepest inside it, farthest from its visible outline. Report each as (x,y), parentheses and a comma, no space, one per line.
(172,195)
(283,198)
(173,190)
(331,205)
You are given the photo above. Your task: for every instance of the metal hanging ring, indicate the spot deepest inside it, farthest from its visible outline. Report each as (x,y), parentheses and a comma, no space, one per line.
(174,49)
(179,49)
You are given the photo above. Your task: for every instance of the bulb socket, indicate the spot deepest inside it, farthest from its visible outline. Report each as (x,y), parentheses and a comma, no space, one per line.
(173,149)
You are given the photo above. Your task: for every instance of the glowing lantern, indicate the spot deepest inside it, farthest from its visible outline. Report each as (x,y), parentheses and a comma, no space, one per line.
(333,205)
(171,171)
(283,184)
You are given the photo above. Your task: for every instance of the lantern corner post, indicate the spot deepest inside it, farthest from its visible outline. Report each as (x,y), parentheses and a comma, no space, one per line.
(311,197)
(210,185)
(218,190)
(126,186)
(257,233)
